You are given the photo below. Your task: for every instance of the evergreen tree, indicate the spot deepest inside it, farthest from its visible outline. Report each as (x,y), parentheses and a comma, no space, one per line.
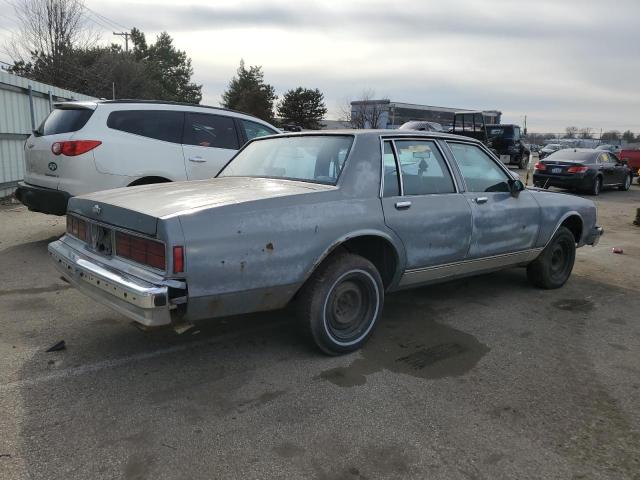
(247,92)
(303,107)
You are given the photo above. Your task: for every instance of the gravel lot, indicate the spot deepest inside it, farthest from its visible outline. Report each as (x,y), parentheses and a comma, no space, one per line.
(484,378)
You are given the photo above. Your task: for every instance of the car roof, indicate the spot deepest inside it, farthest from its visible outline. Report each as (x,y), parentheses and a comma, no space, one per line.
(378,133)
(91,103)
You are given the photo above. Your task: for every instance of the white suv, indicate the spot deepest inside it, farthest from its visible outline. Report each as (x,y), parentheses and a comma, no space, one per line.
(83,147)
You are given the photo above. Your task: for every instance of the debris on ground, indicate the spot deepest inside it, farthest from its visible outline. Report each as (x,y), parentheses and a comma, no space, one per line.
(182,327)
(57,347)
(617,250)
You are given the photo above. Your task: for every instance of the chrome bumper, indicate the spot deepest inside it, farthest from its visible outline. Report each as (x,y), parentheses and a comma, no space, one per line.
(595,235)
(142,301)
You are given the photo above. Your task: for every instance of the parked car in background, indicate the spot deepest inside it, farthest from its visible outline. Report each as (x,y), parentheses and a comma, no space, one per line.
(632,157)
(549,149)
(84,147)
(609,148)
(508,143)
(422,126)
(330,221)
(583,169)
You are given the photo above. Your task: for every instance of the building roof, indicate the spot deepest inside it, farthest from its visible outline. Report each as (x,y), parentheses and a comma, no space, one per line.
(415,106)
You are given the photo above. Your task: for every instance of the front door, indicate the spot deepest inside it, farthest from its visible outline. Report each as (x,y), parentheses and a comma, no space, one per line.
(209,142)
(423,207)
(502,223)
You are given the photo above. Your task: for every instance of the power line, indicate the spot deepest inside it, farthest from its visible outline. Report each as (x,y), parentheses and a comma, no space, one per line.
(105,19)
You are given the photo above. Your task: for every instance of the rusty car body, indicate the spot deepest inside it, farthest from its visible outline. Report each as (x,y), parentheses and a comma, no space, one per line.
(332,220)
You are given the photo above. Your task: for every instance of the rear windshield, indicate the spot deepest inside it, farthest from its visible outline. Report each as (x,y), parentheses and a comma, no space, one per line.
(574,155)
(506,132)
(317,159)
(64,120)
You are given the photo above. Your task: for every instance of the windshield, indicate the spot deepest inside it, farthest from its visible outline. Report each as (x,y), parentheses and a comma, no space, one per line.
(317,159)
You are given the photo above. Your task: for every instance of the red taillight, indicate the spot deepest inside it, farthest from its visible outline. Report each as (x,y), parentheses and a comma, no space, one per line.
(577,169)
(178,259)
(78,228)
(73,148)
(540,166)
(141,250)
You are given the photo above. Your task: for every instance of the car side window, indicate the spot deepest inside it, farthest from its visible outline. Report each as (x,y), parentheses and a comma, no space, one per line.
(205,130)
(255,130)
(391,182)
(516,133)
(163,125)
(604,158)
(423,168)
(481,173)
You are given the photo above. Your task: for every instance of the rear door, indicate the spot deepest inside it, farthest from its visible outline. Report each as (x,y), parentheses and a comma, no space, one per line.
(42,167)
(422,205)
(209,142)
(502,223)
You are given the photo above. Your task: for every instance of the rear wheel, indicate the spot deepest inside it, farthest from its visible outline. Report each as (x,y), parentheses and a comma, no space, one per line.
(596,188)
(627,184)
(341,302)
(553,266)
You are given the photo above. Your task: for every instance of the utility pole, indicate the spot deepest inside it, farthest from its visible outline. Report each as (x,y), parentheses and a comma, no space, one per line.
(126,39)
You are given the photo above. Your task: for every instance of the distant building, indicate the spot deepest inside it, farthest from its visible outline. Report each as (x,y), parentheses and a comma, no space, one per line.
(391,114)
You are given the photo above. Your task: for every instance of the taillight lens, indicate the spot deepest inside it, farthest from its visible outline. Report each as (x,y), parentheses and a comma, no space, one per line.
(178,259)
(78,228)
(141,250)
(73,148)
(540,166)
(577,169)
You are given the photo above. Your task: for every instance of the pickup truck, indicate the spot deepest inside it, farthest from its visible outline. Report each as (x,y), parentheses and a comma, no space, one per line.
(632,157)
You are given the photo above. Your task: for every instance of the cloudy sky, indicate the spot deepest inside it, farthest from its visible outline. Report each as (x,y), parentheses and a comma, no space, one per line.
(560,62)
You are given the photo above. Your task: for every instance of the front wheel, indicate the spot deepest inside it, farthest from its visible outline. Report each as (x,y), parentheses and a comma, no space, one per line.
(341,302)
(553,266)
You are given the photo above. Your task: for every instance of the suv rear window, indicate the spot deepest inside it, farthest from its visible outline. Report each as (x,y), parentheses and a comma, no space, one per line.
(163,125)
(64,120)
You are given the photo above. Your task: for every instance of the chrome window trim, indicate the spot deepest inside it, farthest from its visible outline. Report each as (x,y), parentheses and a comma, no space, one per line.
(433,139)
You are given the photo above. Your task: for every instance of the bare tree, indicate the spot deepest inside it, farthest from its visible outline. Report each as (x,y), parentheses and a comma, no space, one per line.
(586,133)
(49,31)
(571,132)
(365,112)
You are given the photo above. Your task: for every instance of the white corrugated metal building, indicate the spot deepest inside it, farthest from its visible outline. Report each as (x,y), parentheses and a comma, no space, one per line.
(23,105)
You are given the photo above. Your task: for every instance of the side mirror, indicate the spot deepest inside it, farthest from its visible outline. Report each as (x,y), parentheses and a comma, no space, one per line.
(515,187)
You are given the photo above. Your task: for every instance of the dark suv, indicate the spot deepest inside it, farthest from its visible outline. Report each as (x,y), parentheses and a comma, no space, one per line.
(508,143)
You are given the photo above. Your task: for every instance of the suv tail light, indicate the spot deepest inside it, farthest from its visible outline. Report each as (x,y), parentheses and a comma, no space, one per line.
(78,228)
(73,148)
(540,166)
(577,169)
(141,250)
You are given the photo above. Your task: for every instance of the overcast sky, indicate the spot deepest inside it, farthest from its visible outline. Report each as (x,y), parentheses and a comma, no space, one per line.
(560,62)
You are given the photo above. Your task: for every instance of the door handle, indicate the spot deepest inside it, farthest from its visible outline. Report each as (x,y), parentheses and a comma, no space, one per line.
(482,199)
(403,205)
(197,159)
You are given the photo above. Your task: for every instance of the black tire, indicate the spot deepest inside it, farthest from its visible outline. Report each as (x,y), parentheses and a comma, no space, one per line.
(340,304)
(553,266)
(596,188)
(627,184)
(524,160)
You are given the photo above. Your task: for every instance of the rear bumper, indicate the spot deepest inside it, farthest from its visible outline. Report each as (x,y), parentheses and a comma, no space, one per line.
(142,301)
(41,199)
(573,181)
(594,236)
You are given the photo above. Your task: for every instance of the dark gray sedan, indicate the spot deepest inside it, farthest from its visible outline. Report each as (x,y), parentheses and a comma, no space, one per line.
(330,221)
(582,169)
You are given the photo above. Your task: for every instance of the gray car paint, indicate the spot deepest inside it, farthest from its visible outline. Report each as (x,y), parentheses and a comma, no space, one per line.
(251,243)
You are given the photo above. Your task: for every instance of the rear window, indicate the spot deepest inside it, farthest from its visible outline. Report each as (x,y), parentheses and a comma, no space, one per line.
(64,120)
(253,129)
(163,125)
(573,155)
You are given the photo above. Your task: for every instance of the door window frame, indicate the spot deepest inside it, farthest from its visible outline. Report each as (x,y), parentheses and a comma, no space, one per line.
(488,152)
(392,140)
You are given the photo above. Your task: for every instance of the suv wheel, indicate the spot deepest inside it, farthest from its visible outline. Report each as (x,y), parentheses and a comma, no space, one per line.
(553,266)
(627,184)
(341,302)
